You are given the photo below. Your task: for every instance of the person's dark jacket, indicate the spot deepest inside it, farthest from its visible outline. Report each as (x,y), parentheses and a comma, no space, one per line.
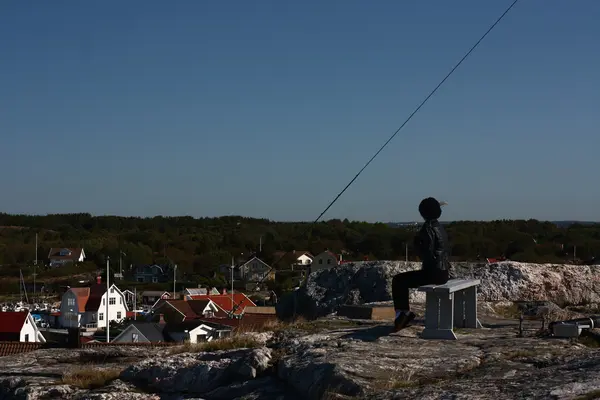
(431,243)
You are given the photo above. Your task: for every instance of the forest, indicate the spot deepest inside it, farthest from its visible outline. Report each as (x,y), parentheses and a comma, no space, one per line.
(199,245)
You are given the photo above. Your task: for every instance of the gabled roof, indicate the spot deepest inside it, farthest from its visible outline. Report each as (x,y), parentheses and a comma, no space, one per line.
(252,259)
(152,331)
(82,294)
(12,322)
(75,253)
(223,301)
(330,253)
(190,309)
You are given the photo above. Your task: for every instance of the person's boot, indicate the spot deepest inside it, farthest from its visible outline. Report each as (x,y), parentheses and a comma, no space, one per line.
(403,320)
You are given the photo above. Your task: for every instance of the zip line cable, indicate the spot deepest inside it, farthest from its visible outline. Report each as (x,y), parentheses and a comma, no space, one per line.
(500,18)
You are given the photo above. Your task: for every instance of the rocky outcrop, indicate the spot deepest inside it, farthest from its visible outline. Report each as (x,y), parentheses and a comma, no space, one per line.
(366,282)
(337,358)
(198,373)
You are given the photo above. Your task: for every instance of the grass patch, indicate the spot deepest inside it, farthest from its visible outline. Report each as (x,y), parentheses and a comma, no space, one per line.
(511,310)
(589,341)
(90,377)
(229,343)
(594,394)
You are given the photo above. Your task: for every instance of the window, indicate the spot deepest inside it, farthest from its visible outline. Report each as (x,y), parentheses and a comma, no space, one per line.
(112,301)
(140,279)
(103,302)
(135,337)
(71,301)
(118,314)
(101,317)
(120,300)
(200,338)
(27,337)
(320,261)
(112,290)
(329,261)
(154,279)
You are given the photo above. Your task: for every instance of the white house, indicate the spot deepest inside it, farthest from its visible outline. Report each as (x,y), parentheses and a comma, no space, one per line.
(195,331)
(19,327)
(303,257)
(86,307)
(61,256)
(324,260)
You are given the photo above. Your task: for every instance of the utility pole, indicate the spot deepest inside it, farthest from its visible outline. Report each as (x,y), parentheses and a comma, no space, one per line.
(406,251)
(107,299)
(134,303)
(232,266)
(260,246)
(35,265)
(174,279)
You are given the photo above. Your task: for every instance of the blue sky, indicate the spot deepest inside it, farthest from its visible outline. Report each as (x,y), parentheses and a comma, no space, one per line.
(268,108)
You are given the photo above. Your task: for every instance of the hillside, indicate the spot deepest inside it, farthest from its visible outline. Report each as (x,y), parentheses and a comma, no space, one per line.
(199,245)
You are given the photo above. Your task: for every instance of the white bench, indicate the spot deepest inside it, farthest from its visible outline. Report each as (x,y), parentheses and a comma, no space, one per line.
(453,304)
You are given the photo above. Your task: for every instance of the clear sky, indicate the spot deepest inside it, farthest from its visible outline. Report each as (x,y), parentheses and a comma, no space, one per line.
(268,108)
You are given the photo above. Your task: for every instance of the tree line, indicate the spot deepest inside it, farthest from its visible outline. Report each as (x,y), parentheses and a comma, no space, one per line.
(199,245)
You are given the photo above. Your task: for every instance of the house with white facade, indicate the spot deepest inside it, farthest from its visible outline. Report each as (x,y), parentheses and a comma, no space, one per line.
(324,260)
(196,331)
(60,256)
(87,307)
(19,327)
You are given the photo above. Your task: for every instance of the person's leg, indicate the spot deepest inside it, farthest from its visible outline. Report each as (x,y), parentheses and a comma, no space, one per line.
(401,284)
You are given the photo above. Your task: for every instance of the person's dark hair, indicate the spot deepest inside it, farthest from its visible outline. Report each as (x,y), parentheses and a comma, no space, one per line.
(430,208)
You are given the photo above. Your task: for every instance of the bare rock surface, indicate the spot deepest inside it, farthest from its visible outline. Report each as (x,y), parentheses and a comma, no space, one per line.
(366,282)
(331,358)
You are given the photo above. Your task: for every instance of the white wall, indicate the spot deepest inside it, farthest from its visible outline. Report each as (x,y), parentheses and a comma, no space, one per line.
(304,260)
(201,330)
(29,328)
(113,309)
(320,262)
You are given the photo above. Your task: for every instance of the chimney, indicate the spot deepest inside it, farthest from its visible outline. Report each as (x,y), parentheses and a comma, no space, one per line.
(161,318)
(99,280)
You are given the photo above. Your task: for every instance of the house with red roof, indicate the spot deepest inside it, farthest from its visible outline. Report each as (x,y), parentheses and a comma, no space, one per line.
(19,327)
(87,306)
(227,302)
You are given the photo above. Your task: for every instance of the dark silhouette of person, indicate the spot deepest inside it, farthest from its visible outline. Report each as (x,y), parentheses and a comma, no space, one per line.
(430,243)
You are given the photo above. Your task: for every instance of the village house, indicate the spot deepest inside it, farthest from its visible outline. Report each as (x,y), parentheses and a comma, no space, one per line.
(293,259)
(254,270)
(197,331)
(153,273)
(86,307)
(227,302)
(189,292)
(151,297)
(141,332)
(192,331)
(324,260)
(175,311)
(19,327)
(60,256)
